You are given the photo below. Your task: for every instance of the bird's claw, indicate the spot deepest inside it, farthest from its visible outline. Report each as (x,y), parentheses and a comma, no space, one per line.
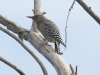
(58,52)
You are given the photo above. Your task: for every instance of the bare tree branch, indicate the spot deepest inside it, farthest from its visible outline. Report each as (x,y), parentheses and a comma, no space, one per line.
(36,11)
(49,54)
(27,49)
(89,10)
(72,69)
(13,66)
(35,40)
(37,5)
(76,70)
(69,12)
(67,21)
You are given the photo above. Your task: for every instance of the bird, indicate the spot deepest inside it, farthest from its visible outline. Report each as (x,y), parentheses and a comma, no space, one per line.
(49,30)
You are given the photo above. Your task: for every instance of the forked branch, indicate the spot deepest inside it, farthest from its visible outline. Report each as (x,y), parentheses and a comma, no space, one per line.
(27,49)
(35,40)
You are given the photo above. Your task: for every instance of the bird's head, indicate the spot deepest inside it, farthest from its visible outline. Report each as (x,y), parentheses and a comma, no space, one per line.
(37,18)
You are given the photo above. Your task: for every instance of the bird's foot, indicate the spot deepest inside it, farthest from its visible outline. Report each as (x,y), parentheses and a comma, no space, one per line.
(58,52)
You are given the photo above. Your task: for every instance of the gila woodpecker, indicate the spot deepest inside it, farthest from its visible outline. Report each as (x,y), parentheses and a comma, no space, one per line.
(49,30)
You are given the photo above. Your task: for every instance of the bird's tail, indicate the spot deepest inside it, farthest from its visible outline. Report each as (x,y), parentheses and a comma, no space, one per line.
(63,44)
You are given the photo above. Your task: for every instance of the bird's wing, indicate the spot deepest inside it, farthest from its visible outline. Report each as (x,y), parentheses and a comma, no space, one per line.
(52,29)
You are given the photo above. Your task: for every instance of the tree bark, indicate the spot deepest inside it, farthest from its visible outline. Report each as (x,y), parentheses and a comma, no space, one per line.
(35,40)
(37,4)
(27,49)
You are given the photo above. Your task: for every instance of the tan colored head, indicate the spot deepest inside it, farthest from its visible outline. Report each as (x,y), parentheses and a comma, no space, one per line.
(37,18)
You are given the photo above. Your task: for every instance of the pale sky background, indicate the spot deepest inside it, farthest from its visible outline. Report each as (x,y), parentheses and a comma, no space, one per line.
(83,46)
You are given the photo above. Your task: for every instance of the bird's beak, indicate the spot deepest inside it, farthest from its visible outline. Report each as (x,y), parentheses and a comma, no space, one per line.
(29,16)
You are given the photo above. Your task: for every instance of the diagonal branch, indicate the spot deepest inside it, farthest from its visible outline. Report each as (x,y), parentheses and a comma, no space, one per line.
(72,68)
(35,40)
(27,49)
(73,72)
(89,11)
(11,65)
(47,51)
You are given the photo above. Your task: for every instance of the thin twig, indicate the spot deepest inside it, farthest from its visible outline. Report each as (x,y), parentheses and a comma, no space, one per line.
(76,70)
(13,66)
(27,49)
(67,21)
(72,69)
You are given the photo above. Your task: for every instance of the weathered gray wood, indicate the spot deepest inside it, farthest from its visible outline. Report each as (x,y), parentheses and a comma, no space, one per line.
(27,49)
(47,51)
(37,5)
(36,41)
(36,11)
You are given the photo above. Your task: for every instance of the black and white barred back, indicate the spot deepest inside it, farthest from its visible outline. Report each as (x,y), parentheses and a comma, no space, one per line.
(50,31)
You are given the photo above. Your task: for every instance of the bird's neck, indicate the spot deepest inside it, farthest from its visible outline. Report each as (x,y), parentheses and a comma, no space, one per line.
(41,20)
